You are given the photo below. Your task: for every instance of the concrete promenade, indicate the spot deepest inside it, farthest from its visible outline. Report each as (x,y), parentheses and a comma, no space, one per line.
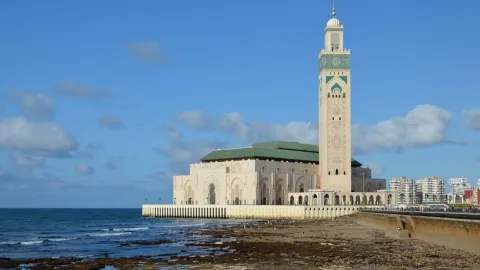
(451,229)
(438,214)
(248,211)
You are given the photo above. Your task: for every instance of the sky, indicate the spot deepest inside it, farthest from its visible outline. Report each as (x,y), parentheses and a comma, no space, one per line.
(102,102)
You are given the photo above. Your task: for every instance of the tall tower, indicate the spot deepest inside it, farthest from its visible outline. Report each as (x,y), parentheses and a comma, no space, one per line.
(334,82)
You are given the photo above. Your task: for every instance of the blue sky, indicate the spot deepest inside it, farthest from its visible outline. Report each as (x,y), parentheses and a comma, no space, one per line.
(102,101)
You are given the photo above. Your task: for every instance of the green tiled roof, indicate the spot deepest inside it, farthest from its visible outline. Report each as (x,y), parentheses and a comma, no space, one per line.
(277,150)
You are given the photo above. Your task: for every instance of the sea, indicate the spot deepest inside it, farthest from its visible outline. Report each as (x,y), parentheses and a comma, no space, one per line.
(94,233)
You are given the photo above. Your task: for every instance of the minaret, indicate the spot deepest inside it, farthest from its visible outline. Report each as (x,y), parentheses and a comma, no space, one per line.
(334,82)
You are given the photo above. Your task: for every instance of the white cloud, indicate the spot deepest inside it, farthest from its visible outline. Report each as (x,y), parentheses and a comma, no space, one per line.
(181,154)
(40,138)
(72,89)
(111,122)
(472,118)
(147,51)
(29,161)
(37,106)
(84,169)
(425,125)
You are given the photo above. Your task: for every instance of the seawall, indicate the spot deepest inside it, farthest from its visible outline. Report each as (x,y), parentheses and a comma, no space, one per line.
(461,234)
(247,211)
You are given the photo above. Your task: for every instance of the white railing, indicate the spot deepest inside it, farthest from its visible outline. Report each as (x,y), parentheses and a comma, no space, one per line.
(249,211)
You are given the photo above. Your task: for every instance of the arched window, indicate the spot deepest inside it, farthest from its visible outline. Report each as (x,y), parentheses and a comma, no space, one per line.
(211,194)
(328,172)
(344,95)
(336,171)
(328,95)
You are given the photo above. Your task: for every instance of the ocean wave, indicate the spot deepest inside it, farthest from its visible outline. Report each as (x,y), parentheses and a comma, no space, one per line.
(9,243)
(33,242)
(109,234)
(60,239)
(126,229)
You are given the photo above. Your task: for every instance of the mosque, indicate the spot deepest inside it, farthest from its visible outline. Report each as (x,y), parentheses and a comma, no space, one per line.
(292,173)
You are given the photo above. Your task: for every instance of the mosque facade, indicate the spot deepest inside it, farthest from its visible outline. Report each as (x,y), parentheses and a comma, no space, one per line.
(292,173)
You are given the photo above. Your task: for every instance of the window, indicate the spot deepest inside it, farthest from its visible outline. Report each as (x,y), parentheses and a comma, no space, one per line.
(263,169)
(336,171)
(278,170)
(333,118)
(328,172)
(344,173)
(340,118)
(328,95)
(344,95)
(293,171)
(306,171)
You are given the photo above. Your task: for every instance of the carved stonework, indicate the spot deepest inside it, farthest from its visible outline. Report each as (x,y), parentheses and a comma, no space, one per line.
(335,61)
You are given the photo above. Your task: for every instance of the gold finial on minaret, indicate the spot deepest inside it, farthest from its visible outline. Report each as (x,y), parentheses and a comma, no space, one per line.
(333,10)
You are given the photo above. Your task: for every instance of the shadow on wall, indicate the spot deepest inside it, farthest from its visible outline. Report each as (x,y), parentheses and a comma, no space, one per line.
(453,233)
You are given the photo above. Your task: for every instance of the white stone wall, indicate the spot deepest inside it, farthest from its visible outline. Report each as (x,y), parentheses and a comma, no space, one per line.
(253,182)
(243,182)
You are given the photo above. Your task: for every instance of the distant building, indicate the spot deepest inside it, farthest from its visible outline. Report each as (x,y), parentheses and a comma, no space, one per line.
(457,187)
(478,183)
(406,190)
(432,189)
(468,196)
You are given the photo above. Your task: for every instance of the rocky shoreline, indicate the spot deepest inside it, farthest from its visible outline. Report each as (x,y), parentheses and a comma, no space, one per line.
(287,244)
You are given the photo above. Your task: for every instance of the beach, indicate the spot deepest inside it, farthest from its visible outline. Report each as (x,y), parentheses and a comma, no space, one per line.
(291,244)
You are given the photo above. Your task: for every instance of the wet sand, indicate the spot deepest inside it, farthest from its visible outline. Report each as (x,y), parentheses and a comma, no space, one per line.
(286,244)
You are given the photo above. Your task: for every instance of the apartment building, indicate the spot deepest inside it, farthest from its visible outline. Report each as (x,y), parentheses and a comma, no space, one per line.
(432,189)
(406,190)
(458,186)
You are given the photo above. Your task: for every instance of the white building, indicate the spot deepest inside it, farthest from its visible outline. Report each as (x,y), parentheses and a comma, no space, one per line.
(406,190)
(279,173)
(432,189)
(458,186)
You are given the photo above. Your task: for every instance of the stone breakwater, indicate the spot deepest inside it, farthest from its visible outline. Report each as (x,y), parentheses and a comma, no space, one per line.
(296,244)
(454,233)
